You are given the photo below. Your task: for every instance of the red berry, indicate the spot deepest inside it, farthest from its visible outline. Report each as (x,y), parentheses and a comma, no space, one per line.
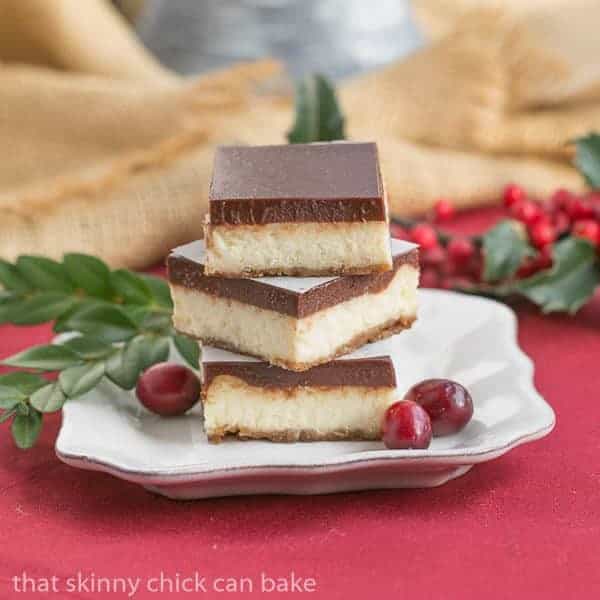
(424,235)
(460,250)
(433,257)
(587,229)
(429,278)
(559,199)
(406,425)
(561,222)
(448,404)
(527,212)
(443,209)
(168,389)
(399,232)
(542,234)
(513,193)
(579,209)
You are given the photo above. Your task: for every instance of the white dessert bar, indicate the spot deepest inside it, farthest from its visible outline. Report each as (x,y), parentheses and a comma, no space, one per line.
(295,323)
(300,210)
(341,400)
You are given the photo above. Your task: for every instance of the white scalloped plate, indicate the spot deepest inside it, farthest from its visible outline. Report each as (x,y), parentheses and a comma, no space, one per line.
(469,339)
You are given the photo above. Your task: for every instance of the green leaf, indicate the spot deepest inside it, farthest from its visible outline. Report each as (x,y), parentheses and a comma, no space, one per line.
(131,287)
(8,309)
(587,158)
(124,367)
(40,308)
(26,429)
(188,348)
(159,289)
(7,414)
(9,397)
(89,348)
(48,399)
(25,383)
(105,322)
(11,279)
(44,274)
(504,248)
(81,379)
(154,349)
(51,357)
(89,274)
(571,281)
(318,116)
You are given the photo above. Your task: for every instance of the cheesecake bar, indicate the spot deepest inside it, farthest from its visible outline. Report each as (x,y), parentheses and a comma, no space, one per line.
(299,209)
(292,322)
(344,399)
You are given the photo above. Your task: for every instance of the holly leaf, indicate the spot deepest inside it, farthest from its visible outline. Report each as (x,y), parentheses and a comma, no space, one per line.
(51,357)
(48,399)
(80,379)
(44,274)
(89,274)
(505,247)
(26,429)
(318,116)
(587,158)
(105,322)
(188,348)
(571,281)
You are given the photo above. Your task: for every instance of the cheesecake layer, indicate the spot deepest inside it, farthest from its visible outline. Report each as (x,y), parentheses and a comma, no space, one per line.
(298,249)
(344,399)
(298,210)
(296,323)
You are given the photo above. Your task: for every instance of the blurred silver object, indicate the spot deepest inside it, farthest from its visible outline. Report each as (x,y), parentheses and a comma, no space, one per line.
(334,37)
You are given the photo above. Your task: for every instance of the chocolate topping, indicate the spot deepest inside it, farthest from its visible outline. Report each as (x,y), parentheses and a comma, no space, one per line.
(324,183)
(369,372)
(190,274)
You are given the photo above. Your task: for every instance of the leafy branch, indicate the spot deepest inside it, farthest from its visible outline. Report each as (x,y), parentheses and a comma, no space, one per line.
(121,321)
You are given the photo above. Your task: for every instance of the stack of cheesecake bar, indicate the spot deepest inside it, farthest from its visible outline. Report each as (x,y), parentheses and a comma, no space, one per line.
(295,276)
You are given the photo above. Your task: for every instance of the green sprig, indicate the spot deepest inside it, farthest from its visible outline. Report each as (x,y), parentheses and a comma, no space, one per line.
(121,322)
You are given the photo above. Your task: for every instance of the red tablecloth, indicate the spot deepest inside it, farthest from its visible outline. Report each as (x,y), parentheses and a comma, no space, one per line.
(526,525)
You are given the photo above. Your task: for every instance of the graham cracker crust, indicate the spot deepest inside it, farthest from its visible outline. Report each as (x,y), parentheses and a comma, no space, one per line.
(291,435)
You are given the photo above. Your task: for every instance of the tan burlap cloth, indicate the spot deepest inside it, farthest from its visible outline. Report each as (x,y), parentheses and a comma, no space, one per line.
(106,152)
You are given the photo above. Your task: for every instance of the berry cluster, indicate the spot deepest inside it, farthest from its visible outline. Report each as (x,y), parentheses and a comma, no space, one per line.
(456,261)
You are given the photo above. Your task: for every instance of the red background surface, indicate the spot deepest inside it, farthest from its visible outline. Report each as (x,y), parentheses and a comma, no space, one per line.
(526,525)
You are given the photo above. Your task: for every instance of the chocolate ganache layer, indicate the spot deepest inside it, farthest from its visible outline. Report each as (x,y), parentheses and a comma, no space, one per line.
(296,183)
(367,372)
(190,274)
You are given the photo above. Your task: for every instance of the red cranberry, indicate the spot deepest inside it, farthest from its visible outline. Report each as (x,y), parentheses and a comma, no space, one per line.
(460,250)
(587,229)
(168,389)
(513,193)
(527,212)
(443,209)
(433,257)
(542,234)
(429,278)
(406,425)
(559,199)
(399,232)
(447,403)
(578,209)
(424,235)
(561,222)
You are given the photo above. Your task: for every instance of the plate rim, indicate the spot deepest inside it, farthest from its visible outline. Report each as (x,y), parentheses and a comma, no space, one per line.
(368,458)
